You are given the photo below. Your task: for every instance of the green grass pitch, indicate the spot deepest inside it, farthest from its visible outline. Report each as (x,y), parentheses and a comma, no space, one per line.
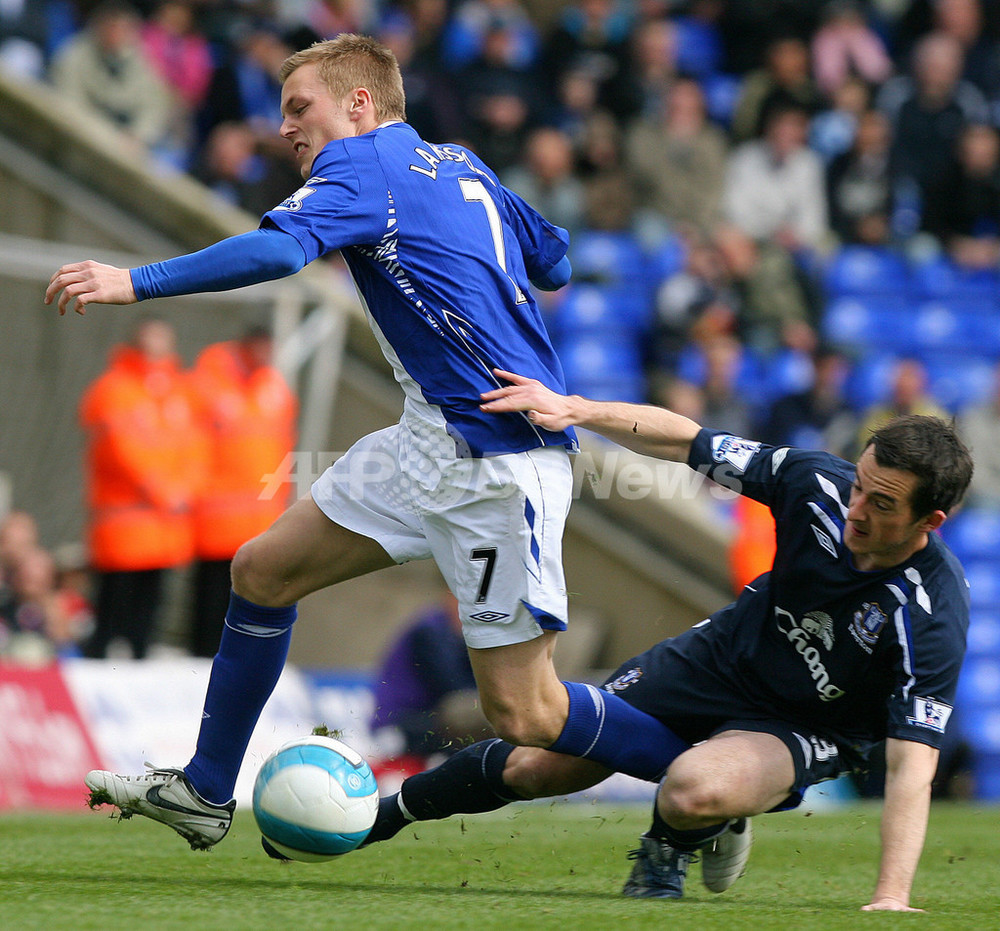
(543,865)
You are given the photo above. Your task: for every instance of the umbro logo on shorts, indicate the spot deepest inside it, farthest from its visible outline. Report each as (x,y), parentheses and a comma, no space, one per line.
(487,616)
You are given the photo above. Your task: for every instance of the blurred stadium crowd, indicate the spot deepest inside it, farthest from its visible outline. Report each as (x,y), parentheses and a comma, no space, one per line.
(785,214)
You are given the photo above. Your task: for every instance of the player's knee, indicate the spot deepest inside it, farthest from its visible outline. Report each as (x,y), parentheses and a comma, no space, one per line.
(686,794)
(251,578)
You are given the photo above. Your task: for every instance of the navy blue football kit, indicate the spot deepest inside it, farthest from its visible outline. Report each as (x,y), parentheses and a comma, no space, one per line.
(827,657)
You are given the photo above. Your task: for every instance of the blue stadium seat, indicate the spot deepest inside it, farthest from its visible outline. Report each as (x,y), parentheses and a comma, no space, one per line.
(722,91)
(863,321)
(699,47)
(863,270)
(957,381)
(588,357)
(607,258)
(665,261)
(984,632)
(870,380)
(974,533)
(957,325)
(980,681)
(940,277)
(692,367)
(983,575)
(587,308)
(611,389)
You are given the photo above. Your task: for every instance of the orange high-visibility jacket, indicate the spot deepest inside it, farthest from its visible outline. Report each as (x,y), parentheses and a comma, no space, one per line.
(145,457)
(249,415)
(752,550)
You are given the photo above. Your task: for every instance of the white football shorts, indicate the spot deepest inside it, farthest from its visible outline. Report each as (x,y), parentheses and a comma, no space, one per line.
(494,526)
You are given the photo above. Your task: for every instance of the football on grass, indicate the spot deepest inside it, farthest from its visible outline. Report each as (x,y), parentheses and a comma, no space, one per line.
(315,798)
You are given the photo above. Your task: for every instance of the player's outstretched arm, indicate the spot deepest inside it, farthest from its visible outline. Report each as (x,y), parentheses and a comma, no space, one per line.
(90,283)
(261,255)
(652,431)
(910,768)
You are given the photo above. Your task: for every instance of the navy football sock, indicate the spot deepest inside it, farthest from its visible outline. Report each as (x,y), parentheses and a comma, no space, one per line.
(244,672)
(469,782)
(605,728)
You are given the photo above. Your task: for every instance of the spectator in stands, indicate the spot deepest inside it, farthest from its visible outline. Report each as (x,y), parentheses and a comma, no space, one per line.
(929,108)
(545,178)
(774,202)
(721,400)
(845,46)
(24,32)
(104,71)
(466,34)
(907,395)
(18,536)
(820,417)
(234,166)
(678,161)
(859,184)
(433,106)
(575,103)
(500,101)
(652,69)
(593,35)
(327,19)
(832,131)
(143,462)
(179,52)
(38,618)
(247,412)
(694,305)
(245,86)
(424,687)
(979,427)
(785,78)
(964,20)
(962,207)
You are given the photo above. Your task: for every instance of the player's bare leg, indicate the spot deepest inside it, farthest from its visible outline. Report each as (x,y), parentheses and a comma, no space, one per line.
(300,553)
(521,694)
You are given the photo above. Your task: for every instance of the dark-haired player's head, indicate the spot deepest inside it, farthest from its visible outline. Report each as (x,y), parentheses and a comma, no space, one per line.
(930,449)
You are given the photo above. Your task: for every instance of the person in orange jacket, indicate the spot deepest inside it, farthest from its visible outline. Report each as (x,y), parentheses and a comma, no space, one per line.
(143,461)
(248,413)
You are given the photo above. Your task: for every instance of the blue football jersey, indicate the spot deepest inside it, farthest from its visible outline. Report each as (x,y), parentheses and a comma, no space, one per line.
(442,255)
(861,655)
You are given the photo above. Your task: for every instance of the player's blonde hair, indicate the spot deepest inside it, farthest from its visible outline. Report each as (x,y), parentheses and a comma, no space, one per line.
(351,61)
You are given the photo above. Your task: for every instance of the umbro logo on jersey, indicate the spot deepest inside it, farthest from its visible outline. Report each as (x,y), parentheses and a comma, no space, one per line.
(488,617)
(824,540)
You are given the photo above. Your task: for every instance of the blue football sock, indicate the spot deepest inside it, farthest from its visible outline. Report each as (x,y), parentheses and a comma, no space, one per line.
(605,728)
(244,673)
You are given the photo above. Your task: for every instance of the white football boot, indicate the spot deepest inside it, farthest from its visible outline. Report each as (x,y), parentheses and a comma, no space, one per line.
(164,795)
(724,859)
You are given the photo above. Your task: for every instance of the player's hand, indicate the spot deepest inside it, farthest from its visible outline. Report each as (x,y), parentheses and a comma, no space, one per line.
(90,283)
(544,407)
(886,904)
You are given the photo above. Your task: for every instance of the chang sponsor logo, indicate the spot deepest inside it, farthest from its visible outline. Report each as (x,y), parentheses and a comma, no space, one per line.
(801,638)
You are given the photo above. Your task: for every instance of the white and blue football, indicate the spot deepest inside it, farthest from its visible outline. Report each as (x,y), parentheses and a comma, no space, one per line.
(315,798)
